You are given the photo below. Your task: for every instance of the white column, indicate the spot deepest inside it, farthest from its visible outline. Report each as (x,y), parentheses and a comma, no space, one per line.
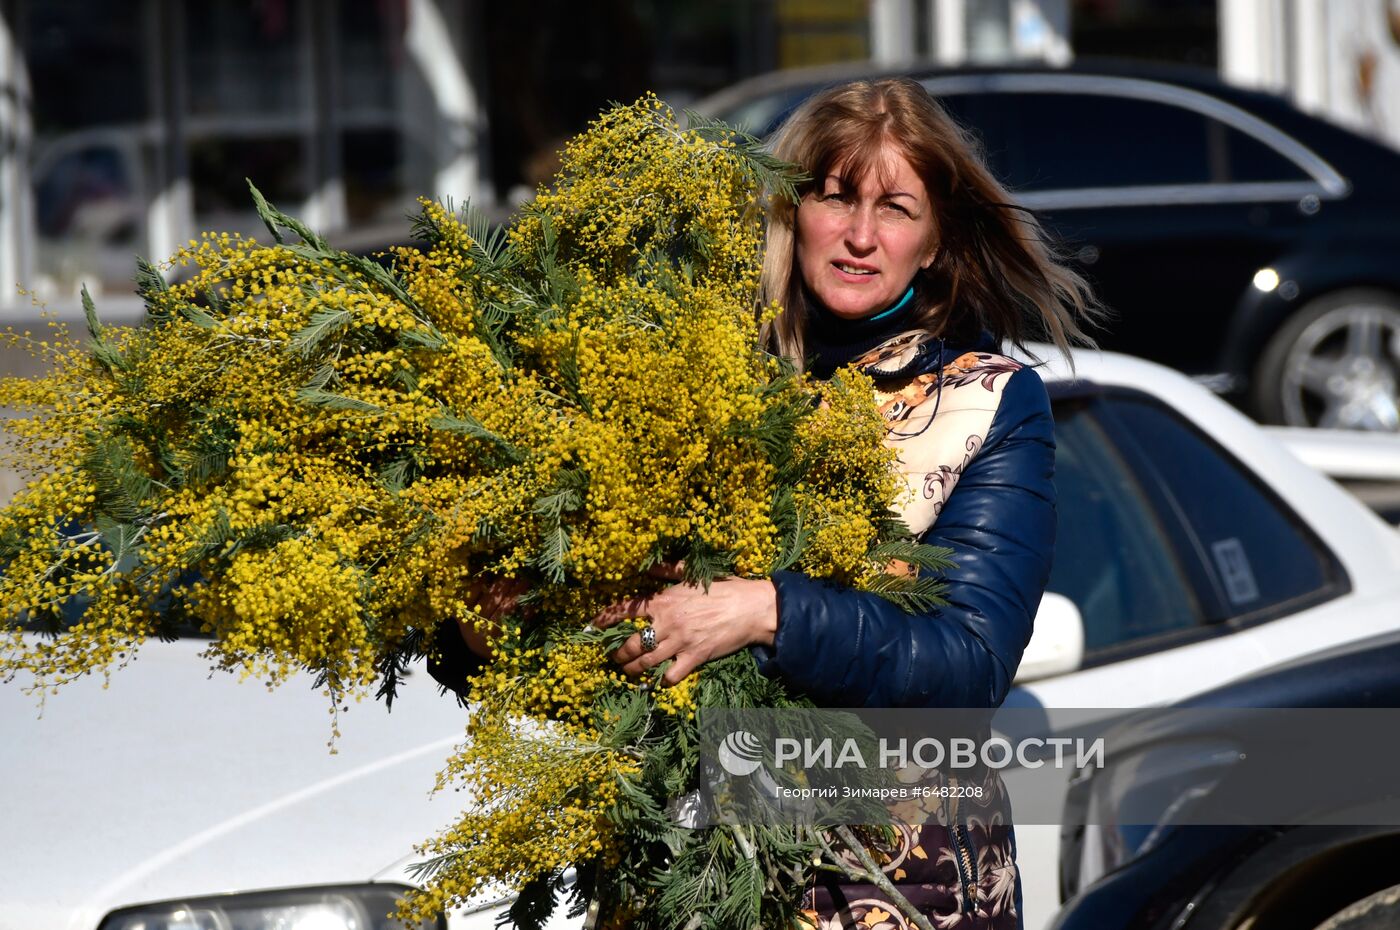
(170,211)
(16,200)
(892,31)
(324,210)
(948,20)
(1309,54)
(1253,46)
(438,52)
(169,220)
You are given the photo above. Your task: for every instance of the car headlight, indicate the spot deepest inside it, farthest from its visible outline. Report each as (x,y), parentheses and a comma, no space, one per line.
(351,907)
(1135,802)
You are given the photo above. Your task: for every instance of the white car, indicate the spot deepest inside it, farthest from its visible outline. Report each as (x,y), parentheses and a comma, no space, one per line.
(1193,549)
(1366,464)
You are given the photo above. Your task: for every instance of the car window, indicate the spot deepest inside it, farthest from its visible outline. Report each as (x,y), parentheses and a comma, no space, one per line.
(1240,158)
(1066,141)
(1113,557)
(983,116)
(1257,553)
(762,116)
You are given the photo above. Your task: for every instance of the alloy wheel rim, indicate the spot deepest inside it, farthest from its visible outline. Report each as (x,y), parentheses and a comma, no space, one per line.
(1343,372)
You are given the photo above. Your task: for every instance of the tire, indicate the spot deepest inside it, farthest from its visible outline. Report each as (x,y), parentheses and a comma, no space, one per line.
(1380,911)
(1335,363)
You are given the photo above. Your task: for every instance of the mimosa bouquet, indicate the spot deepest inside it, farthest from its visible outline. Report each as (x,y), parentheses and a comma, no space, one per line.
(316,458)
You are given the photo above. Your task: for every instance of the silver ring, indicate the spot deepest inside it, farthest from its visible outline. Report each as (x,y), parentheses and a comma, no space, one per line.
(648,638)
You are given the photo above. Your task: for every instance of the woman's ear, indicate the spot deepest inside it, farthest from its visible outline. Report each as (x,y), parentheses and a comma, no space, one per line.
(928,260)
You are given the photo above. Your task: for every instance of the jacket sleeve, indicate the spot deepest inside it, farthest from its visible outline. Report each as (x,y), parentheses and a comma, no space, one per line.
(842,647)
(450,662)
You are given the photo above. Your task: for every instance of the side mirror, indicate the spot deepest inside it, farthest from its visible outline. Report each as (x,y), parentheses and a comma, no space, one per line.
(1057,645)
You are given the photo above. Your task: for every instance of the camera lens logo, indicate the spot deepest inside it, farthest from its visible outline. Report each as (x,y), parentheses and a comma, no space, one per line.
(741,753)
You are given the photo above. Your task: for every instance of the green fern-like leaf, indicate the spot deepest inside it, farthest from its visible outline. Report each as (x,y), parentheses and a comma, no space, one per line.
(773,174)
(150,282)
(926,557)
(121,539)
(553,557)
(275,221)
(468,425)
(213,541)
(427,338)
(332,401)
(324,325)
(535,903)
(103,350)
(571,484)
(197,315)
(123,491)
(912,595)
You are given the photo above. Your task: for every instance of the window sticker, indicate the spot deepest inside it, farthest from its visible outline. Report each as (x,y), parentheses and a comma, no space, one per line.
(1233,565)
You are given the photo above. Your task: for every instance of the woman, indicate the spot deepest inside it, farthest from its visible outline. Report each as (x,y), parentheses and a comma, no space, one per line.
(904,258)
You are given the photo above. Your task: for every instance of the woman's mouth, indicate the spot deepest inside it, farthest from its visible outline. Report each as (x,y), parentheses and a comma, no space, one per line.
(858,270)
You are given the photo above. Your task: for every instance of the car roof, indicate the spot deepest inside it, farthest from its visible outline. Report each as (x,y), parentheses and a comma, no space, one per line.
(820,75)
(776,93)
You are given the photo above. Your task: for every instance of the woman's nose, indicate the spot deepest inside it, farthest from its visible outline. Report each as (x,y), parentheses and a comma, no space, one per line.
(860,232)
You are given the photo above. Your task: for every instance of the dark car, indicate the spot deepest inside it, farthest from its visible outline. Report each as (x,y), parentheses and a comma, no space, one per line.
(1336,868)
(1235,237)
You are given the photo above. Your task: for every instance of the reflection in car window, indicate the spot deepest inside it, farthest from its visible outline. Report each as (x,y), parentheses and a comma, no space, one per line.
(1082,140)
(1112,557)
(1256,551)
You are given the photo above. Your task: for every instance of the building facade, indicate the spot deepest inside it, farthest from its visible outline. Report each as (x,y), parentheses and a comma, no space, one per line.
(126,129)
(125,134)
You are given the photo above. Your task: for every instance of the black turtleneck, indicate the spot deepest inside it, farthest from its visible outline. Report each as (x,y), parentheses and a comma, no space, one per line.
(830,342)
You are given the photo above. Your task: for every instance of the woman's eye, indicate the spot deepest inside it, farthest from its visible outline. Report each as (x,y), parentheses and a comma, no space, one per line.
(896,208)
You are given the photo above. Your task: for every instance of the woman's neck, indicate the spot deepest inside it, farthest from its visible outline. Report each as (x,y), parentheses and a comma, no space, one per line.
(832,341)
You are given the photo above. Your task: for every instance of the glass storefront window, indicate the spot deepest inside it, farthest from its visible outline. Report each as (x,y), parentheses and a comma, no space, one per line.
(372,54)
(277,164)
(87,167)
(85,65)
(247,58)
(372,164)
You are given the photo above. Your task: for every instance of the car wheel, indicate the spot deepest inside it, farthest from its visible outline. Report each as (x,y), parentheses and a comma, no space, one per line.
(1335,363)
(1381,911)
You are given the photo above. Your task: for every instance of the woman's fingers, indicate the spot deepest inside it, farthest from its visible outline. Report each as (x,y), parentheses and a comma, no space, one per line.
(493,598)
(668,571)
(631,649)
(636,661)
(683,666)
(478,639)
(632,607)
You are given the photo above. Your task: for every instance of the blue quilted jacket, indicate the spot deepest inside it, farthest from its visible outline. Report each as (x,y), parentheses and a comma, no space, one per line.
(843,647)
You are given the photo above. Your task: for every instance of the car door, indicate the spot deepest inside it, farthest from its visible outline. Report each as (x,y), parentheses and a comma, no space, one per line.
(1168,546)
(1183,564)
(1167,199)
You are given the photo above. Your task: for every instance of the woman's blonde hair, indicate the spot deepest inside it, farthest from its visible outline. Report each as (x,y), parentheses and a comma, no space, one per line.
(993,270)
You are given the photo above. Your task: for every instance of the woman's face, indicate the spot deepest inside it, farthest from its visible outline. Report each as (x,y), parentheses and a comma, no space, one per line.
(859,249)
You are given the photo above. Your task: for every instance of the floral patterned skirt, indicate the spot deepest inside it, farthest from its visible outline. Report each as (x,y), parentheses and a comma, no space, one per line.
(957,869)
(964,878)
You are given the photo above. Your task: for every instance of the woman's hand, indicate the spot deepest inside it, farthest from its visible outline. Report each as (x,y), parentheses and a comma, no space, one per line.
(493,600)
(692,626)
